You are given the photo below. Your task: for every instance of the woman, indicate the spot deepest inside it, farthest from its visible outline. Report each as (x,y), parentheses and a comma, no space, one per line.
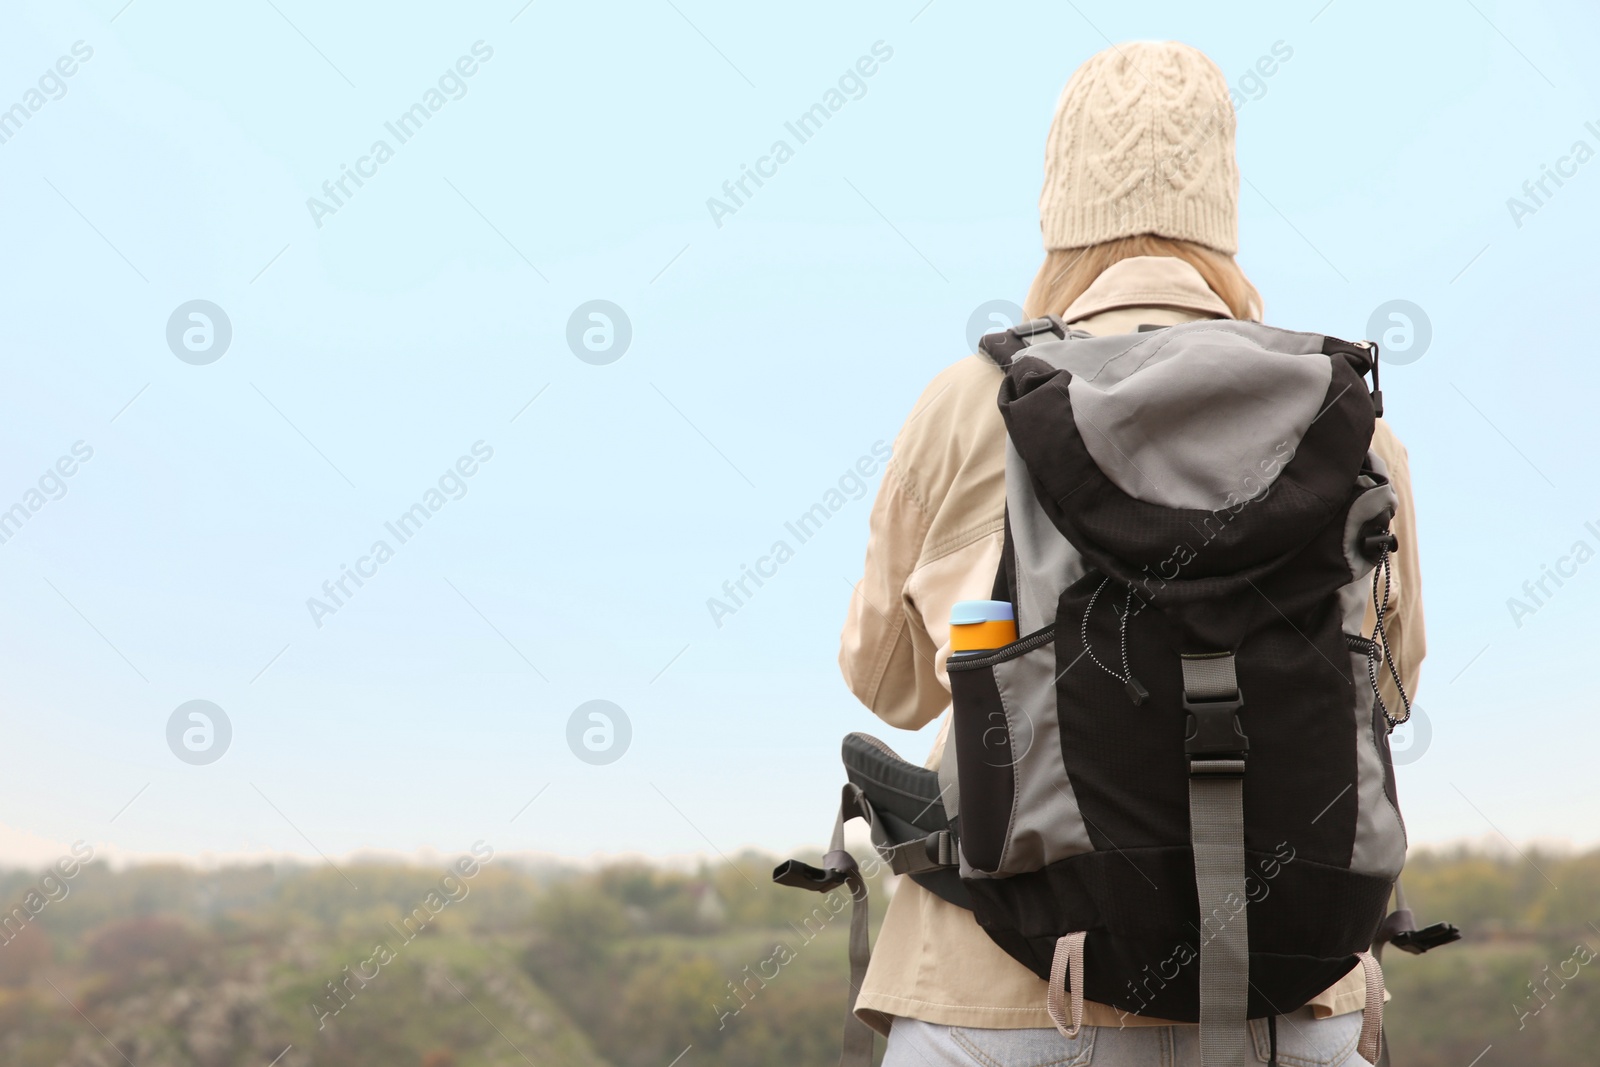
(1139,215)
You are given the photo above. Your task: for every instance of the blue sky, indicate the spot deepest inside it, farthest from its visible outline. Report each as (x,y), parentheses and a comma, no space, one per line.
(374,346)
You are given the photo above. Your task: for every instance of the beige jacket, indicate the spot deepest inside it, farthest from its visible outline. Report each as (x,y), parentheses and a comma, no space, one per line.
(936,529)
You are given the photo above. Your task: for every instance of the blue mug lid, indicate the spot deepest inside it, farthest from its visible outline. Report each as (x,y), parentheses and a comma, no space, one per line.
(967,612)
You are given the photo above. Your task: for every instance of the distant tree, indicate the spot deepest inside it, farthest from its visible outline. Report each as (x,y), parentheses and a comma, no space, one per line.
(127,945)
(577,915)
(20,956)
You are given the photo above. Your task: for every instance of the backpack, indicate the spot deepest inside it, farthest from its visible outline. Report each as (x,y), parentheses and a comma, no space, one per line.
(1172,793)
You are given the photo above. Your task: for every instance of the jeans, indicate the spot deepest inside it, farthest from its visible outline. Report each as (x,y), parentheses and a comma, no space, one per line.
(1303,1041)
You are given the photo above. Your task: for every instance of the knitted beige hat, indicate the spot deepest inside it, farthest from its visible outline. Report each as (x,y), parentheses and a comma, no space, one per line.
(1142,142)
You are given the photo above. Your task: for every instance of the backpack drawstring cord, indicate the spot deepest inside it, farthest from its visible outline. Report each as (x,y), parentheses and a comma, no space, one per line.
(1136,692)
(1380,648)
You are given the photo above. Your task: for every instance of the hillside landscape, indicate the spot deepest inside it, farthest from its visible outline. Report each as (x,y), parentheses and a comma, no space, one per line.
(630,965)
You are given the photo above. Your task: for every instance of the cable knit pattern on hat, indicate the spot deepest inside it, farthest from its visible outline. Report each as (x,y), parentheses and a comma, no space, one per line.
(1142,142)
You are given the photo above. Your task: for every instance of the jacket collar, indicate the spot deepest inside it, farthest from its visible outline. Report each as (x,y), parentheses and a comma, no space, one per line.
(1148,281)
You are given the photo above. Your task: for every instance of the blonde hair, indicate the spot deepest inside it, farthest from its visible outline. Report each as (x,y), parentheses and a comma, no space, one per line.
(1067,272)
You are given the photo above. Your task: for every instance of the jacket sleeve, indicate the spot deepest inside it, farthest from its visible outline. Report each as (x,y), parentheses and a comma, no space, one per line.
(1404,625)
(878,653)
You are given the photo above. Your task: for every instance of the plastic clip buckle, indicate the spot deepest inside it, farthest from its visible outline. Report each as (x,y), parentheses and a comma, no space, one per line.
(1417,942)
(1214,743)
(1047,324)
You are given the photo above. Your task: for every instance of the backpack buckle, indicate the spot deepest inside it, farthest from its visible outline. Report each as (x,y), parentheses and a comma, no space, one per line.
(798,874)
(1047,324)
(1214,742)
(1002,345)
(1417,942)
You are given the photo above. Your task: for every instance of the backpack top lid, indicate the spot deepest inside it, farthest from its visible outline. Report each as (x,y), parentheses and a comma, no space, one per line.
(1134,441)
